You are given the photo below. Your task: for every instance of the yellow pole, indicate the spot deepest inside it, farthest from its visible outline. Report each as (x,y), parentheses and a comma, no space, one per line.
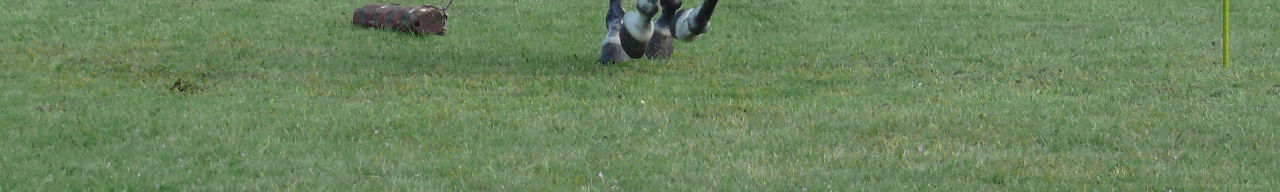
(1226,33)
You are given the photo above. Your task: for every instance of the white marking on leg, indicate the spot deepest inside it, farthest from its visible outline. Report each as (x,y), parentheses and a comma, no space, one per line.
(640,27)
(684,26)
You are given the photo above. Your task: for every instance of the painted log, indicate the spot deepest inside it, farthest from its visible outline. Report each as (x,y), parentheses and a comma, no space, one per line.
(424,19)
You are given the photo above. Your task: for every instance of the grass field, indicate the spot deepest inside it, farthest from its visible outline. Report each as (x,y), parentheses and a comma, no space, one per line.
(781,95)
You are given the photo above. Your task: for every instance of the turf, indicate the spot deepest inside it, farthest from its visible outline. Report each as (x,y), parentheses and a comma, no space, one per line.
(781,95)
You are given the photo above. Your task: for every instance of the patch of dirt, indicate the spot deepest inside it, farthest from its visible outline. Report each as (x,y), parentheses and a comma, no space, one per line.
(1051,71)
(186,87)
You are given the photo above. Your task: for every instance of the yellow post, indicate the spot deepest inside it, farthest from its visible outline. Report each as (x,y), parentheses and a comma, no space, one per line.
(1226,33)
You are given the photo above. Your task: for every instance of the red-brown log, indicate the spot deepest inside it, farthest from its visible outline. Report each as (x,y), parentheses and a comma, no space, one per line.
(425,19)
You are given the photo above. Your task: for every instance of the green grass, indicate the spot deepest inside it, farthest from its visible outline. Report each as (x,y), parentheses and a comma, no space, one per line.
(968,95)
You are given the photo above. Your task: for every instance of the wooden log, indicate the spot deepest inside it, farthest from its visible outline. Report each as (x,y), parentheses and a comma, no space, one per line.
(424,19)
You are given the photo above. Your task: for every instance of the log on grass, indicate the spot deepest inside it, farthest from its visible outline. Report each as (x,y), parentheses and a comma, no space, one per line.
(424,19)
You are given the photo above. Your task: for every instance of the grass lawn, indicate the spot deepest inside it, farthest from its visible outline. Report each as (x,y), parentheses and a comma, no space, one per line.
(780,95)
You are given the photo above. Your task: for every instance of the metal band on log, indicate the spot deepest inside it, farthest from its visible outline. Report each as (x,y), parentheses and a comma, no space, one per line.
(425,19)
